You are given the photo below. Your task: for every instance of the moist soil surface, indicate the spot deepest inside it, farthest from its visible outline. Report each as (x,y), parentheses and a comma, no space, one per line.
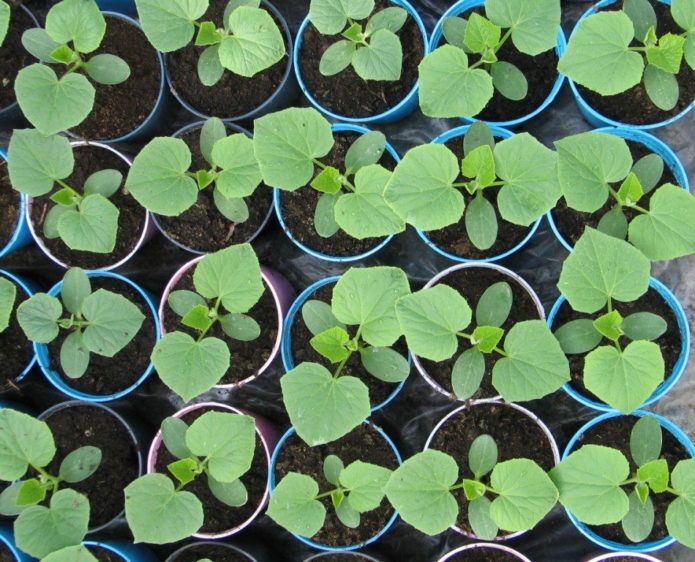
(9,206)
(13,55)
(219,517)
(215,552)
(571,223)
(363,443)
(298,207)
(484,555)
(540,72)
(246,357)
(103,555)
(670,341)
(615,432)
(634,105)
(471,283)
(5,554)
(303,352)
(131,220)
(16,350)
(516,435)
(121,108)
(108,375)
(454,238)
(346,93)
(233,95)
(203,227)
(78,426)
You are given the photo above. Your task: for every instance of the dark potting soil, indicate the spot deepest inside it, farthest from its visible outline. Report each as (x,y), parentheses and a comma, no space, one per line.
(203,227)
(108,375)
(298,207)
(484,555)
(5,554)
(634,105)
(78,426)
(670,342)
(540,72)
(247,357)
(571,223)
(471,283)
(454,238)
(16,350)
(303,352)
(103,555)
(13,55)
(363,443)
(131,221)
(233,95)
(516,435)
(9,206)
(215,552)
(219,517)
(615,432)
(120,108)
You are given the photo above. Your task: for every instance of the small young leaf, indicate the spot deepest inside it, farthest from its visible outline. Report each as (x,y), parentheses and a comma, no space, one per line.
(347,515)
(63,54)
(630,191)
(481,222)
(319,317)
(481,34)
(662,87)
(366,483)
(233,494)
(337,57)
(365,151)
(649,170)
(392,18)
(681,511)
(181,302)
(486,338)
(80,464)
(645,440)
(494,305)
(578,336)
(104,182)
(39,44)
(331,16)
(467,373)
(655,473)
(509,81)
(212,131)
(113,322)
(639,520)
(332,344)
(324,215)
(174,437)
(382,59)
(76,21)
(210,69)
(480,520)
(198,318)
(482,455)
(534,23)
(233,209)
(327,181)
(667,56)
(38,317)
(332,467)
(208,35)
(107,69)
(169,27)
(609,325)
(8,293)
(354,33)
(644,326)
(293,505)
(642,16)
(385,364)
(614,223)
(183,470)
(473,489)
(240,327)
(31,492)
(74,356)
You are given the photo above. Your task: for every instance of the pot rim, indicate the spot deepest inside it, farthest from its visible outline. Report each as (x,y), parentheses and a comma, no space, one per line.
(29,291)
(173,556)
(478,545)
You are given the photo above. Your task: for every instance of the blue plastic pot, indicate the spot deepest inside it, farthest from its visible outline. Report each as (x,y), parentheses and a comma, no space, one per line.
(29,289)
(594,117)
(125,7)
(285,94)
(404,108)
(7,538)
(443,139)
(652,143)
(127,551)
(295,309)
(666,424)
(233,550)
(465,5)
(678,368)
(271,483)
(22,235)
(277,200)
(41,350)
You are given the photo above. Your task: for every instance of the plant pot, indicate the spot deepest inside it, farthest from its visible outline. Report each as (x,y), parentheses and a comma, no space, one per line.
(366,432)
(365,252)
(652,143)
(126,355)
(597,119)
(267,435)
(205,213)
(281,294)
(465,5)
(197,550)
(636,556)
(285,93)
(524,234)
(678,368)
(397,112)
(289,333)
(520,288)
(20,235)
(482,547)
(7,541)
(61,255)
(672,432)
(124,460)
(126,551)
(352,556)
(506,418)
(125,7)
(15,330)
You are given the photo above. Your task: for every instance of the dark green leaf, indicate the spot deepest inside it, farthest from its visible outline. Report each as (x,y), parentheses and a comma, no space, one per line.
(480,519)
(210,69)
(332,467)
(454,30)
(76,288)
(347,515)
(467,373)
(174,437)
(509,81)
(662,87)
(324,216)
(74,355)
(642,15)
(645,440)
(234,209)
(649,170)
(614,223)
(240,327)
(212,130)
(233,494)
(644,326)
(385,364)
(319,317)
(481,223)
(639,521)
(482,456)
(80,464)
(365,151)
(337,57)
(578,336)
(181,302)
(478,134)
(108,69)
(494,305)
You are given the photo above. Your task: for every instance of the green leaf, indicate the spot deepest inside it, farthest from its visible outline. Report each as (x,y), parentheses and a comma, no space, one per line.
(354,33)
(481,34)
(392,18)
(534,365)
(213,130)
(74,356)
(419,490)
(157,513)
(8,500)
(107,69)
(683,13)
(508,80)
(614,223)
(639,521)
(385,364)
(104,183)
(609,325)
(158,180)
(80,464)
(39,530)
(92,226)
(482,455)
(666,232)
(187,367)
(331,16)
(689,50)
(332,467)
(235,209)
(449,87)
(183,470)
(486,338)
(366,483)
(66,197)
(478,134)
(39,44)
(198,318)
(233,494)
(421,188)
(649,170)
(600,268)
(454,31)
(77,21)
(8,293)
(644,326)
(624,379)
(323,408)
(293,505)
(4,20)
(337,57)
(332,344)
(328,181)
(662,87)
(181,302)
(77,553)
(578,336)
(668,54)
(64,55)
(113,322)
(365,213)
(318,317)
(481,222)
(208,35)
(365,151)
(210,69)
(480,519)
(645,440)
(240,327)
(347,515)
(38,317)
(169,27)
(681,512)
(598,54)
(430,320)
(642,16)
(324,215)
(35,161)
(240,174)
(656,474)
(174,437)
(494,305)
(467,373)
(479,163)
(382,59)
(534,23)
(30,493)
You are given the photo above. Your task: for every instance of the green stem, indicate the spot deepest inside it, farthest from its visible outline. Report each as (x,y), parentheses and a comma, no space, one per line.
(326,494)
(215,310)
(496,49)
(64,185)
(344,361)
(319,164)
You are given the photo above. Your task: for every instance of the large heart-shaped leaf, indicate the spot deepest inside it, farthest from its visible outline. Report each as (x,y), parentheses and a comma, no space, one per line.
(8,293)
(381,59)
(24,441)
(240,174)
(331,16)
(534,23)
(169,25)
(38,317)
(293,505)
(77,21)
(92,226)
(366,483)
(113,322)
(681,513)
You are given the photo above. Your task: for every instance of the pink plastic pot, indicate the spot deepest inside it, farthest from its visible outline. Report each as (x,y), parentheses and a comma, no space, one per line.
(148,231)
(283,294)
(265,430)
(441,278)
(613,555)
(533,418)
(481,546)
(353,556)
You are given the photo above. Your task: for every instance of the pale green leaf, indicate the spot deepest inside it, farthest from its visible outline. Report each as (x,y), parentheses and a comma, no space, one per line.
(481,222)
(330,16)
(337,57)
(366,483)
(74,356)
(38,317)
(4,20)
(467,373)
(534,23)
(681,513)
(293,505)
(24,441)
(169,26)
(239,175)
(8,293)
(71,554)
(662,87)
(107,69)
(385,364)
(77,21)
(92,226)
(382,59)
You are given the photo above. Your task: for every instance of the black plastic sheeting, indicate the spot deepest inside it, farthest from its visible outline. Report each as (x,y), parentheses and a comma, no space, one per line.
(413,414)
